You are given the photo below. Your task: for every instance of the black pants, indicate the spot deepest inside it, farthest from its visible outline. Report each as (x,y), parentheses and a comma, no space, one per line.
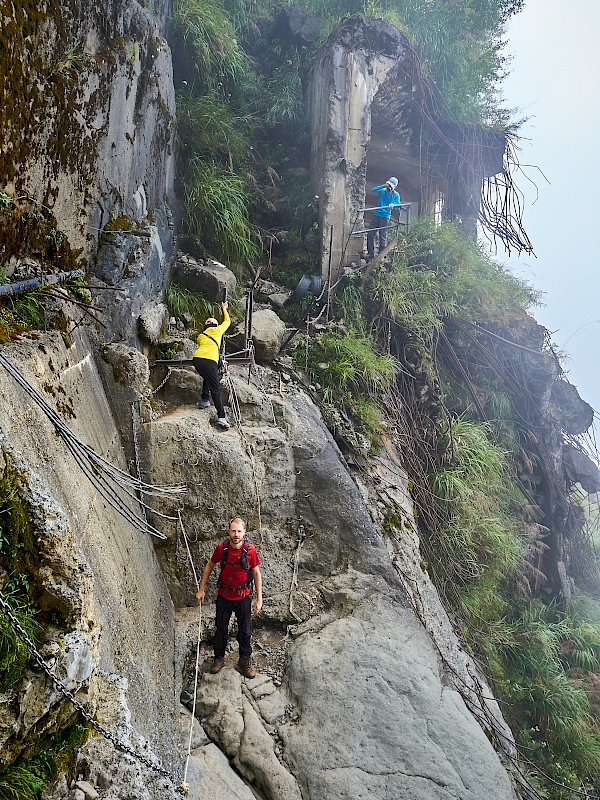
(243,611)
(209,370)
(383,224)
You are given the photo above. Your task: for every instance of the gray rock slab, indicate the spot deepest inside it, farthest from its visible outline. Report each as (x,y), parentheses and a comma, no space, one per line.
(198,736)
(257,756)
(279,299)
(211,776)
(272,707)
(88,790)
(152,321)
(377,720)
(262,689)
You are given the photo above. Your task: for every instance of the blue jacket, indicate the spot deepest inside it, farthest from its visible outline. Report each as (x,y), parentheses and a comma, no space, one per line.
(385,198)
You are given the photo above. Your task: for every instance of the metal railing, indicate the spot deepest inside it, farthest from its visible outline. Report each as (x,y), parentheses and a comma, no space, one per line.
(396,225)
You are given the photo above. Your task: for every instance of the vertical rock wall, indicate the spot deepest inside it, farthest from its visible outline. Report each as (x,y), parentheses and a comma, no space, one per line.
(95,568)
(89,105)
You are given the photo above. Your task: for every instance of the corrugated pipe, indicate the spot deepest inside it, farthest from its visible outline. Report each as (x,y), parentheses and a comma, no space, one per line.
(54,279)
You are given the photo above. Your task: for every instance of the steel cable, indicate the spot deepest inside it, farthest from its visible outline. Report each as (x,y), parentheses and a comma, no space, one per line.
(99,471)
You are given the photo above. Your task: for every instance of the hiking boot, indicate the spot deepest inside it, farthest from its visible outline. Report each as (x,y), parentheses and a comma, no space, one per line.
(245,667)
(222,423)
(204,404)
(217,665)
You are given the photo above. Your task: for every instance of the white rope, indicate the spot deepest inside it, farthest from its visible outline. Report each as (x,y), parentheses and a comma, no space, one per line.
(184,785)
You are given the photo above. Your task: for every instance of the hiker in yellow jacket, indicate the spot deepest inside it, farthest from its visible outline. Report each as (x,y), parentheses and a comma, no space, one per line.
(206,362)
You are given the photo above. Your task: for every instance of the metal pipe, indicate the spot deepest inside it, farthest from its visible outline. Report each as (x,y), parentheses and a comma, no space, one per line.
(394,205)
(54,279)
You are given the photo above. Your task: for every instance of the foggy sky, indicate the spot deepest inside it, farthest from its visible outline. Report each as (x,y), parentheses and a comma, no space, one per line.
(554,80)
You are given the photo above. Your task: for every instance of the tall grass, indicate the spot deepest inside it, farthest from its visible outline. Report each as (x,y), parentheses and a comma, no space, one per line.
(206,28)
(181,302)
(51,755)
(216,203)
(13,651)
(287,107)
(210,126)
(438,273)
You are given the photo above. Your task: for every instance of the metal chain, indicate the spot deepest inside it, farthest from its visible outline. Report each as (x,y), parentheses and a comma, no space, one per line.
(161,384)
(112,737)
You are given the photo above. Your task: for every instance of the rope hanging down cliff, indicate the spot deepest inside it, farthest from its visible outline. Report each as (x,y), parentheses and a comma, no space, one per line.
(110,481)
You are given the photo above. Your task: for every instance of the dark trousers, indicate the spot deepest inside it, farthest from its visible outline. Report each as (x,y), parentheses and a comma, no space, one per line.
(243,611)
(209,370)
(382,224)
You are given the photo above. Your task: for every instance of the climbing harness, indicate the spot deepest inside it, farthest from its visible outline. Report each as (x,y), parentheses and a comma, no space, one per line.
(48,671)
(107,479)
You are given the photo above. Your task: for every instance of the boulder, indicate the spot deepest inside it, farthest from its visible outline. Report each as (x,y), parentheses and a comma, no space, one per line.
(152,322)
(279,299)
(210,278)
(580,468)
(576,416)
(130,367)
(268,331)
(387,725)
(297,26)
(183,388)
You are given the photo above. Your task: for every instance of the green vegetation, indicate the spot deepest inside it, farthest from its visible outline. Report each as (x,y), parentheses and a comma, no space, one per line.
(212,43)
(440,273)
(45,760)
(182,302)
(215,201)
(13,651)
(20,314)
(413,343)
(209,125)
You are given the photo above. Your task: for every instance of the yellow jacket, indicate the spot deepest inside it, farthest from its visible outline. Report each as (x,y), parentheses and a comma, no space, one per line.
(206,348)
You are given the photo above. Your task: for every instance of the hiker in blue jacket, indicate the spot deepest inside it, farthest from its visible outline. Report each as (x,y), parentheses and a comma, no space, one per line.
(389,199)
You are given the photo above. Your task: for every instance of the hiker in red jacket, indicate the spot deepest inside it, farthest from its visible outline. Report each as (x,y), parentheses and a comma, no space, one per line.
(239,570)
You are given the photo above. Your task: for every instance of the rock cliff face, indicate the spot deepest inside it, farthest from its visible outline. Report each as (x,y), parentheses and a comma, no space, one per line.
(90,136)
(364,688)
(354,695)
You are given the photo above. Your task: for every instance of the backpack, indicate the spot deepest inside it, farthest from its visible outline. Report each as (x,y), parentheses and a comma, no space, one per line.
(243,564)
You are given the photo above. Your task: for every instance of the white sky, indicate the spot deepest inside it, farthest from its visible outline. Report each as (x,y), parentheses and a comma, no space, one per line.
(555,72)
